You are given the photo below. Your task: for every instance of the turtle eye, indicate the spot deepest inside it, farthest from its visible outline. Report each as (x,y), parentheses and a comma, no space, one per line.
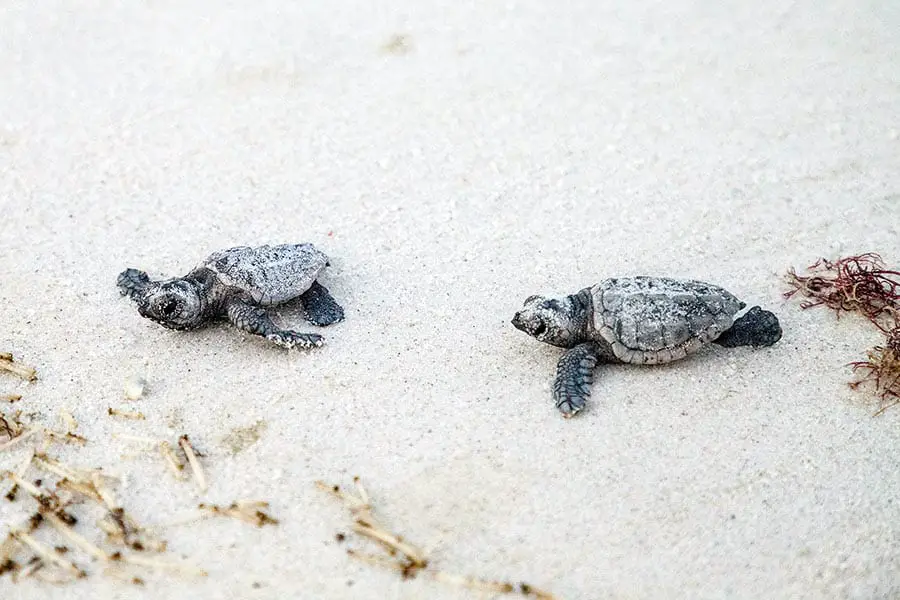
(168,309)
(540,329)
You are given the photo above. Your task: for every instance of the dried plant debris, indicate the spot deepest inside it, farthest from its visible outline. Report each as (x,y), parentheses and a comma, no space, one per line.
(125,414)
(167,453)
(865,285)
(191,456)
(857,283)
(882,369)
(403,557)
(248,511)
(78,520)
(8,364)
(55,506)
(10,425)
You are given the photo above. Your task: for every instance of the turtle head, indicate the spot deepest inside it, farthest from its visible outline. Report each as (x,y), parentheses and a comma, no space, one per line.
(550,320)
(175,304)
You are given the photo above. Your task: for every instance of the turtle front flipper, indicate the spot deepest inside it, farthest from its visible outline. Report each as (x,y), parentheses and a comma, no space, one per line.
(756,328)
(574,375)
(132,282)
(255,320)
(320,307)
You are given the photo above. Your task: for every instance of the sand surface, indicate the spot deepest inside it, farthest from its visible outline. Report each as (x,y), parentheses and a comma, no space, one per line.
(453,158)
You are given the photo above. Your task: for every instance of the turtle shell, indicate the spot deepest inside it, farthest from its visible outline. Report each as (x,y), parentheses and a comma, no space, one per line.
(650,320)
(268,274)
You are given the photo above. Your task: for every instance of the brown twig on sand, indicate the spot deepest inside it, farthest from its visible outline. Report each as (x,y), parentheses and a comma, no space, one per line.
(191,455)
(413,560)
(10,398)
(134,416)
(249,512)
(8,364)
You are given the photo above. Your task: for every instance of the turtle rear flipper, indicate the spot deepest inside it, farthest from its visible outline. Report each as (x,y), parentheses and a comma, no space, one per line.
(320,307)
(756,328)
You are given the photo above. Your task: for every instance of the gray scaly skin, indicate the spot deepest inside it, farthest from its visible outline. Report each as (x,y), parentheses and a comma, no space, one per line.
(591,338)
(236,284)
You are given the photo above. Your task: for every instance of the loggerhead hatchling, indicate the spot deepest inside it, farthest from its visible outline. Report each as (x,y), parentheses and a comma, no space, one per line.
(637,320)
(236,284)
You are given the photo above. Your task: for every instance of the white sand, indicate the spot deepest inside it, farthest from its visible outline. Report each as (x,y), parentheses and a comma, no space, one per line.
(515,148)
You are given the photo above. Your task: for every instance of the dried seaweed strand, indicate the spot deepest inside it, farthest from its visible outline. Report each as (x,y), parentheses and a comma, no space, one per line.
(882,368)
(856,283)
(862,284)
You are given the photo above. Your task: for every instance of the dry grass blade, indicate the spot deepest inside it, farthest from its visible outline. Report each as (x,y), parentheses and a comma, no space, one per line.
(161,564)
(191,456)
(134,416)
(496,587)
(8,364)
(18,439)
(74,537)
(377,560)
(413,560)
(84,489)
(391,541)
(51,465)
(249,512)
(36,492)
(171,459)
(121,529)
(65,438)
(47,554)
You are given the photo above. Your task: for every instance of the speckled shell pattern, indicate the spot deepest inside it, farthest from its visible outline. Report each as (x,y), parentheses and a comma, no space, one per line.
(268,274)
(654,320)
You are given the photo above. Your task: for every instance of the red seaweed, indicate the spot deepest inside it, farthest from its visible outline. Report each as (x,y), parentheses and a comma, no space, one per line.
(855,283)
(861,284)
(883,370)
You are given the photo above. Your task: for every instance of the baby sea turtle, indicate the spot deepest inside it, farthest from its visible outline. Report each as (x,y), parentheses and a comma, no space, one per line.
(236,284)
(637,320)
